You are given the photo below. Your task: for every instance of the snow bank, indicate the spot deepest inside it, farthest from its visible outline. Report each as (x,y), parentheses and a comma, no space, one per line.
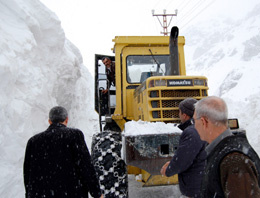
(39,68)
(134,128)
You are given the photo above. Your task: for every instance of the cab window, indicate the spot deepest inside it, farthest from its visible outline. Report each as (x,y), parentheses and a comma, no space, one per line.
(140,67)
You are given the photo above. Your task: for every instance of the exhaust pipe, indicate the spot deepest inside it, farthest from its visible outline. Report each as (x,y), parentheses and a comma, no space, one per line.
(173,69)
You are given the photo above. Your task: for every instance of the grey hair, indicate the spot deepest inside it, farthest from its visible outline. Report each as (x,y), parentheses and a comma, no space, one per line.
(58,114)
(213,108)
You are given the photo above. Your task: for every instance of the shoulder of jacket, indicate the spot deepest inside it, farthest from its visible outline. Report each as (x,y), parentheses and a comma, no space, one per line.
(37,136)
(191,130)
(73,130)
(236,162)
(76,132)
(235,157)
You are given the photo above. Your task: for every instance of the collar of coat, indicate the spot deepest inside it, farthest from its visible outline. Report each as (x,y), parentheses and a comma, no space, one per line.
(187,123)
(56,125)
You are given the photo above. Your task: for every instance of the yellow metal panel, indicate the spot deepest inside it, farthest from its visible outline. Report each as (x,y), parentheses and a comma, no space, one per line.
(119,120)
(129,101)
(145,107)
(182,59)
(118,110)
(157,180)
(141,40)
(134,170)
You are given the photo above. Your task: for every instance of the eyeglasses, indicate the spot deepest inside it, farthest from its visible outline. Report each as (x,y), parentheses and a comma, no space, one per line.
(204,118)
(196,119)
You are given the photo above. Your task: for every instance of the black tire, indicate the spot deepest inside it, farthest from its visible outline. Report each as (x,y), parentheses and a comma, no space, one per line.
(110,167)
(112,127)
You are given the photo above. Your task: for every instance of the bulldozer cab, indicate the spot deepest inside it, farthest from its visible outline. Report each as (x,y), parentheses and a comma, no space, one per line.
(142,63)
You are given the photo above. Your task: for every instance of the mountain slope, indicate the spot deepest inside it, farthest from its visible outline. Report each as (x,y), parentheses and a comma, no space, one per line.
(228,53)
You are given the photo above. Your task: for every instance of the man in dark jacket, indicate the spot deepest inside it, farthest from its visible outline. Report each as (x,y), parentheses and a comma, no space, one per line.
(189,159)
(110,71)
(233,167)
(57,162)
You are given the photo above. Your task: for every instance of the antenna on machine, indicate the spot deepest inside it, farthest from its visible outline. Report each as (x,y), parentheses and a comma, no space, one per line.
(164,24)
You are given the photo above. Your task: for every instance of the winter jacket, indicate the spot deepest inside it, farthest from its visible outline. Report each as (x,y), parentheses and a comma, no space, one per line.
(232,170)
(111,75)
(57,164)
(188,161)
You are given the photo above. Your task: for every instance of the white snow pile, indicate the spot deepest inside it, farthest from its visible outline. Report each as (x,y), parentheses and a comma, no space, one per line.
(134,128)
(39,69)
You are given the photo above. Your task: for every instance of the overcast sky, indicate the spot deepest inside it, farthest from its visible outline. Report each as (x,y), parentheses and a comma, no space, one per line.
(91,25)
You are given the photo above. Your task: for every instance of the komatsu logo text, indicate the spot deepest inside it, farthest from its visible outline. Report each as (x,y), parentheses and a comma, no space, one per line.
(179,82)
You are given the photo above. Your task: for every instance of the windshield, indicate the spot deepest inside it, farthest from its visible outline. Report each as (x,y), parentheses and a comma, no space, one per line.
(141,67)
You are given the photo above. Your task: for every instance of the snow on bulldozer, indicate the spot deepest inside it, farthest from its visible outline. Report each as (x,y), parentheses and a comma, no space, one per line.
(138,113)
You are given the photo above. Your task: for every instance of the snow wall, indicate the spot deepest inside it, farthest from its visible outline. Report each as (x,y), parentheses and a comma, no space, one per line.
(39,69)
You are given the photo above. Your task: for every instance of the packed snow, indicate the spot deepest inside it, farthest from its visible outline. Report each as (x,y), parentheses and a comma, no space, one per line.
(40,68)
(135,128)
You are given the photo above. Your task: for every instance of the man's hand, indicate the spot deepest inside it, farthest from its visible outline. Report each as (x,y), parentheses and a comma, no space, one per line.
(163,169)
(104,91)
(102,196)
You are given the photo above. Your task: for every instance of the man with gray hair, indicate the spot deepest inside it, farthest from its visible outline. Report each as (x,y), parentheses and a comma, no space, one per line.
(233,167)
(57,162)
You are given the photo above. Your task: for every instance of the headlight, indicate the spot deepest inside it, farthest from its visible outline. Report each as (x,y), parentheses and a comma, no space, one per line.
(198,82)
(233,123)
(160,83)
(151,83)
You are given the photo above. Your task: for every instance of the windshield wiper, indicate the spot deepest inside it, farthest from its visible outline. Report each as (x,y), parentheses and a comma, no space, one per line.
(158,64)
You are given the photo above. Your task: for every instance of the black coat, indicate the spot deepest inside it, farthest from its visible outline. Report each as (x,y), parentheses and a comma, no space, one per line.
(189,161)
(57,164)
(111,75)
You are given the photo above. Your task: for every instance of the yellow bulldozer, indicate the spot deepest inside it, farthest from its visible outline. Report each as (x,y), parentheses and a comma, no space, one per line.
(151,81)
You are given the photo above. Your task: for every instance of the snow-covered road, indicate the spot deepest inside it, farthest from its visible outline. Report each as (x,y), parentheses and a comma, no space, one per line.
(137,191)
